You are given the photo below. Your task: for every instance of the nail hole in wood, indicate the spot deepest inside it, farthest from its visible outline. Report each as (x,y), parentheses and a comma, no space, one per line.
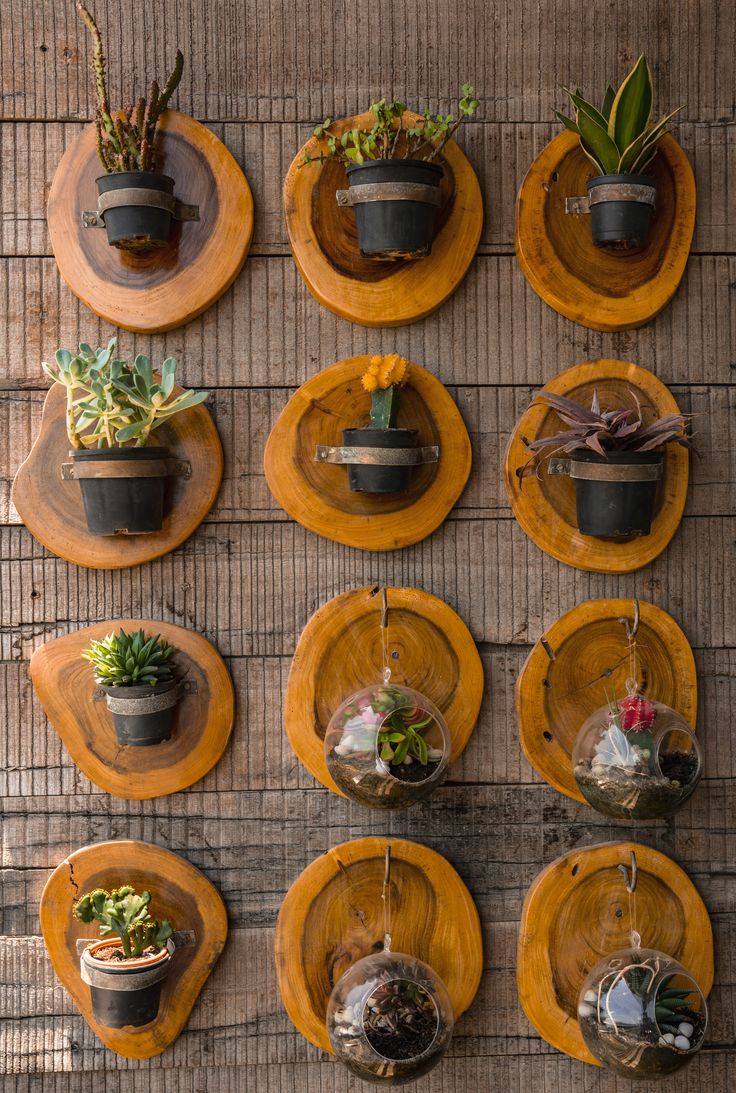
(575,869)
(547,736)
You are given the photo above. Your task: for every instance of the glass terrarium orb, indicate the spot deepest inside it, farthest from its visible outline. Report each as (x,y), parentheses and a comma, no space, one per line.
(635,759)
(389,1018)
(642,1014)
(387,746)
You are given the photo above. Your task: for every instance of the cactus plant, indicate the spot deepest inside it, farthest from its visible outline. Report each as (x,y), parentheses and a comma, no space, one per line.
(383,378)
(125,140)
(110,402)
(124,914)
(130,660)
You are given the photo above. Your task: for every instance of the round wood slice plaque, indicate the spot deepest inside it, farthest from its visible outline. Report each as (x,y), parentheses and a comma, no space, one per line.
(161,290)
(332,916)
(369,291)
(586,283)
(544,504)
(578,911)
(581,658)
(179,893)
(203,718)
(317,495)
(341,650)
(53,510)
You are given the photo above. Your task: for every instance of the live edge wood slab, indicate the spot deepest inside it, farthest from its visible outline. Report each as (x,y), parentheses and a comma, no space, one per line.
(333,915)
(544,504)
(578,910)
(159,291)
(179,893)
(369,291)
(586,283)
(341,650)
(583,657)
(203,719)
(53,510)
(317,495)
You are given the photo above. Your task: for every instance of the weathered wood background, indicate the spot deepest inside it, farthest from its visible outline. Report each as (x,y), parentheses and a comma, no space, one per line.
(261,73)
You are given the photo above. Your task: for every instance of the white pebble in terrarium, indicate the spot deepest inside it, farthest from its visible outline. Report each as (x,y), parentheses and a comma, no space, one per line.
(642,1014)
(389,1018)
(387,746)
(636,759)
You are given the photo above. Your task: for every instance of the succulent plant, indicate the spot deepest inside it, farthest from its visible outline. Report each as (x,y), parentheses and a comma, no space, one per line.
(125,140)
(618,138)
(401,733)
(130,660)
(383,378)
(124,914)
(110,402)
(389,138)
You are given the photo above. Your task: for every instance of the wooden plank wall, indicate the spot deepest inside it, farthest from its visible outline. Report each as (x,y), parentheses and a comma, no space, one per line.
(261,72)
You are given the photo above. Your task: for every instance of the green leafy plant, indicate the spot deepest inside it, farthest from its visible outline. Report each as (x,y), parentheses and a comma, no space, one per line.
(111,402)
(130,660)
(383,379)
(402,731)
(125,140)
(618,138)
(124,914)
(388,137)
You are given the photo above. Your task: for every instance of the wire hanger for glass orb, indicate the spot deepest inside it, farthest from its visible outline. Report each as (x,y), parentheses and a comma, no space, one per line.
(632,685)
(386,898)
(631,875)
(384,636)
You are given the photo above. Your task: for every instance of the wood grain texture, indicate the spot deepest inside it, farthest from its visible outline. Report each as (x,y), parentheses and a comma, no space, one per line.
(583,657)
(333,915)
(53,510)
(318,495)
(382,293)
(179,892)
(341,650)
(171,286)
(570,921)
(583,282)
(545,505)
(202,720)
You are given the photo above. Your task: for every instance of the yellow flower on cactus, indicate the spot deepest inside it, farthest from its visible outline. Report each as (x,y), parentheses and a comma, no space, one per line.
(384,372)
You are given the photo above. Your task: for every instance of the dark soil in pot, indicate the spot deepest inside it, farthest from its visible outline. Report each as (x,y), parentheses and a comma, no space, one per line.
(395,229)
(616,509)
(124,1007)
(373,478)
(137,228)
(653,1058)
(116,506)
(142,729)
(620,226)
(366,779)
(627,795)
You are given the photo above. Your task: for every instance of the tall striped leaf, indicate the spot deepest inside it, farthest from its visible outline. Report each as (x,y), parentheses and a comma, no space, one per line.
(608,98)
(632,106)
(597,144)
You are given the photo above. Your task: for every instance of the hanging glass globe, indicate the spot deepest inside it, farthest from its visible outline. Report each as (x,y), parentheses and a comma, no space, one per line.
(642,1014)
(387,746)
(389,1018)
(635,759)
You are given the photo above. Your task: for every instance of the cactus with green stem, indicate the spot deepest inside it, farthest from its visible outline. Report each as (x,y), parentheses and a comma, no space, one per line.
(383,378)
(124,914)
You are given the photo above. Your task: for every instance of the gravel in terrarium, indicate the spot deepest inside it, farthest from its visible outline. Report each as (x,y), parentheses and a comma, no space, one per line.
(642,1014)
(636,759)
(387,746)
(389,1018)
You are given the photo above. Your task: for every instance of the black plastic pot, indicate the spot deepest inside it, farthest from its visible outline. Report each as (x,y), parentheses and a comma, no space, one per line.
(137,227)
(621,225)
(374,478)
(138,730)
(115,506)
(395,229)
(117,1008)
(616,509)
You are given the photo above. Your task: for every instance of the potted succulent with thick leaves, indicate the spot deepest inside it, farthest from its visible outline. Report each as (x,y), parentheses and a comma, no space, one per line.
(112,409)
(394,172)
(141,691)
(615,460)
(620,142)
(124,970)
(136,201)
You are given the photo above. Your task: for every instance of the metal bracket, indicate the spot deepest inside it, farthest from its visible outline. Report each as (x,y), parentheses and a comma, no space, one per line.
(175,468)
(576,206)
(142,197)
(186,687)
(183,939)
(384,457)
(389,191)
(606,472)
(558,466)
(614,191)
